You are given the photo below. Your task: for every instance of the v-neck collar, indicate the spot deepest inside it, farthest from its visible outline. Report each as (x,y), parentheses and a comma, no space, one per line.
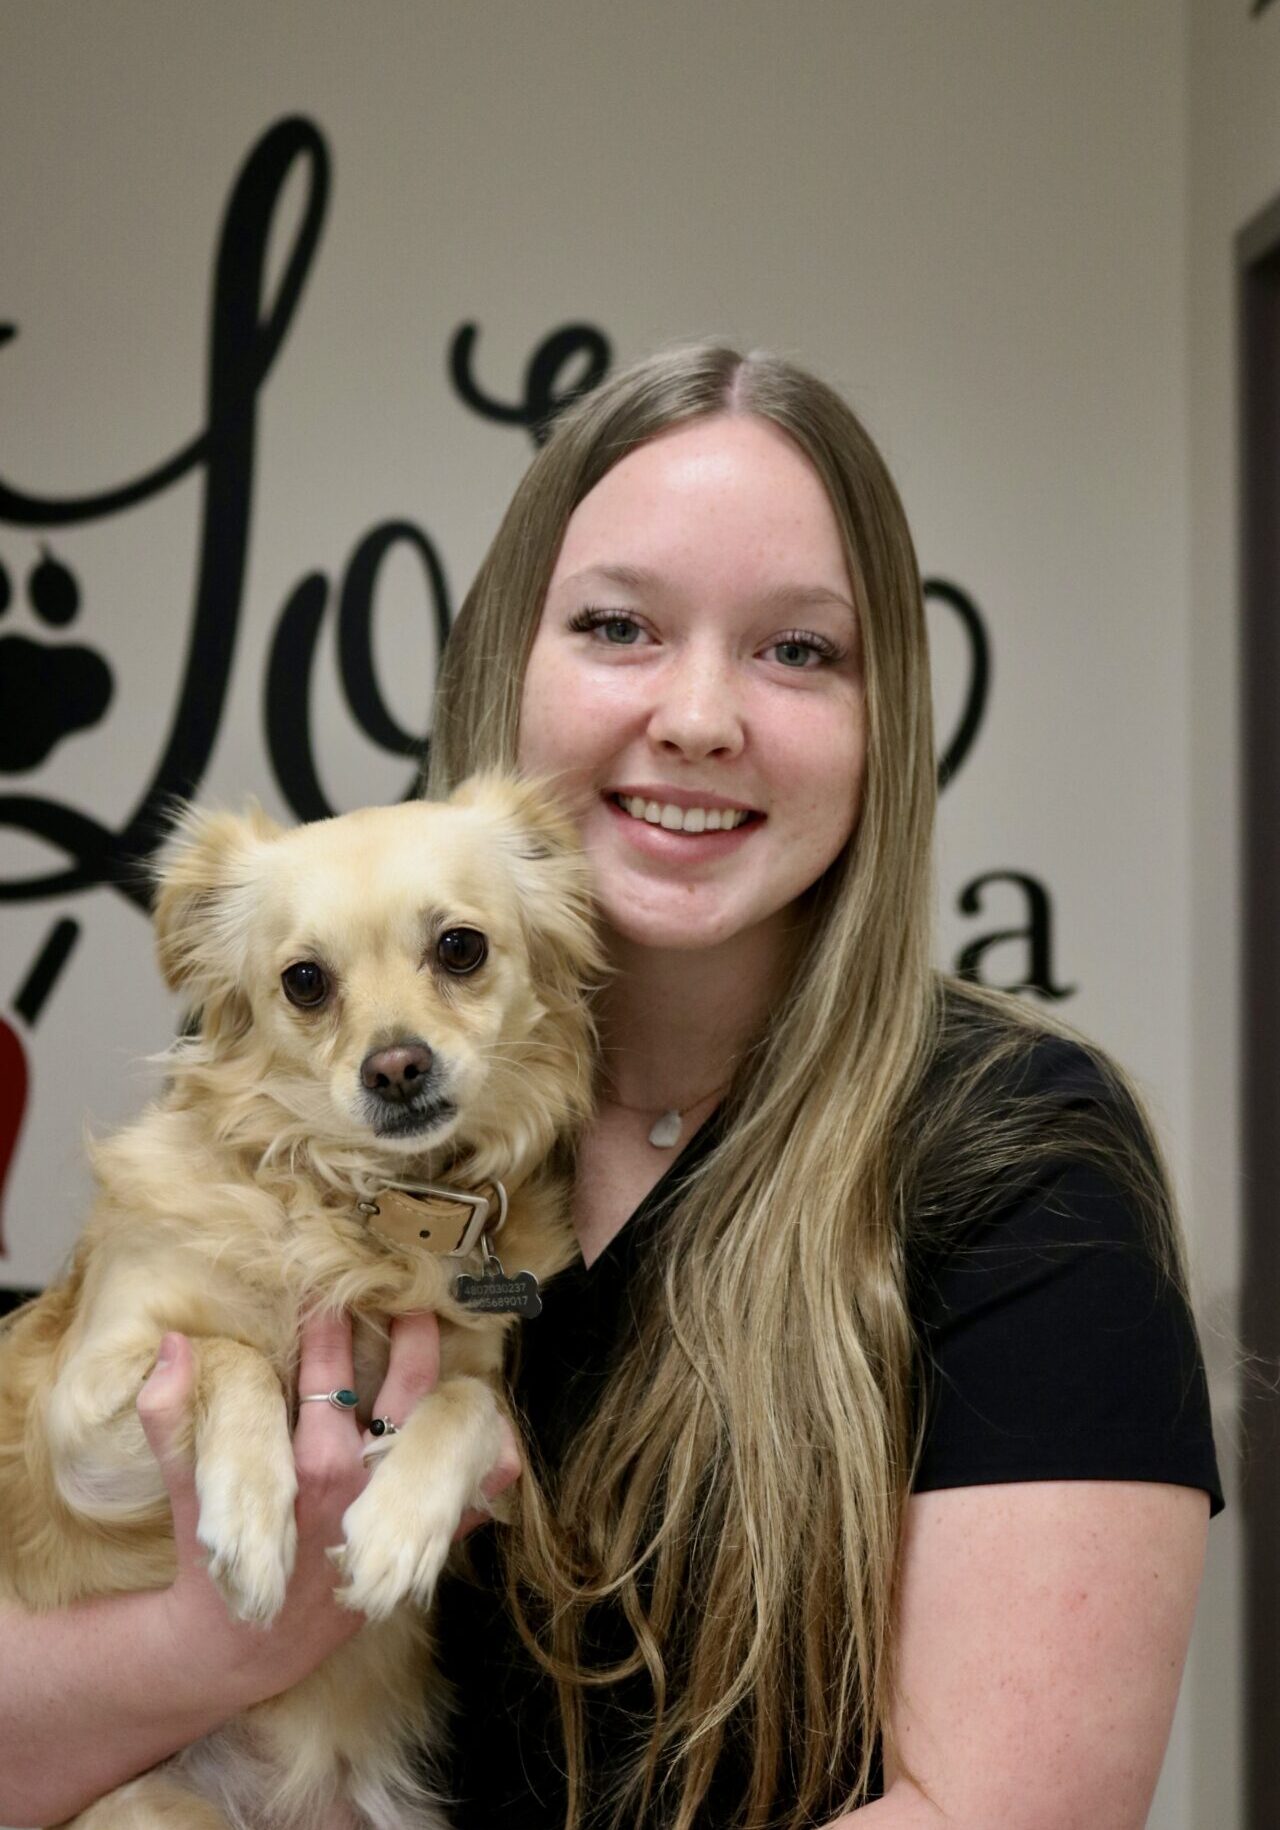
(564,1356)
(621,1249)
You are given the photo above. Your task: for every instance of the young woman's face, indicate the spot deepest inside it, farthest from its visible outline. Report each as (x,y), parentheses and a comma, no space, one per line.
(698,660)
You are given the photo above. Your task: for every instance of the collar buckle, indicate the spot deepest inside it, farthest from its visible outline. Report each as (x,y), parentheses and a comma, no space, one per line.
(431,1217)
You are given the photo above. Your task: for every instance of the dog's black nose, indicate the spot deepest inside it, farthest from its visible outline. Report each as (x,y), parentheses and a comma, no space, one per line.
(396,1073)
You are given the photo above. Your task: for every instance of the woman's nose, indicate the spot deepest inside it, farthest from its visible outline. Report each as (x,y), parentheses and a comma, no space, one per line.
(698,710)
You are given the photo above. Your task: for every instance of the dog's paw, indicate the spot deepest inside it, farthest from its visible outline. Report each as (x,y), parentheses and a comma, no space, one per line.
(247,1525)
(397,1540)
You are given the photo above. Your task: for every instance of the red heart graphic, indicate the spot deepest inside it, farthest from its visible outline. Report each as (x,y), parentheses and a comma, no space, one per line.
(13,1103)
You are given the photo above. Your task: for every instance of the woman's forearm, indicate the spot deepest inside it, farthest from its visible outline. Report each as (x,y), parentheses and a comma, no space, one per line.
(94,1694)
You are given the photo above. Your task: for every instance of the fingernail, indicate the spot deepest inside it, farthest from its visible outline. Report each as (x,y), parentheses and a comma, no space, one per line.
(164,1356)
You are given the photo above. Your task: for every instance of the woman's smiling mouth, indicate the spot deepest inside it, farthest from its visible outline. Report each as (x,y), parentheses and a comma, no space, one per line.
(682,819)
(671,822)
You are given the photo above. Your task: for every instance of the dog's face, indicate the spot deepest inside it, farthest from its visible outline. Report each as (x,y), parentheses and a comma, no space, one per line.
(397,979)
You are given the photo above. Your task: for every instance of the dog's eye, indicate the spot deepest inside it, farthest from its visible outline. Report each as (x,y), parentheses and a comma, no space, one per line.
(304,984)
(461,950)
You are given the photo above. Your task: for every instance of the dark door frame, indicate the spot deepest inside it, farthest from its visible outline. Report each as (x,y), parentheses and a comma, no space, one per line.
(1258,320)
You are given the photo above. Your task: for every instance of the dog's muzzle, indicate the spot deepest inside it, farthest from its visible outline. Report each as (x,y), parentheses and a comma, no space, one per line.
(401,1090)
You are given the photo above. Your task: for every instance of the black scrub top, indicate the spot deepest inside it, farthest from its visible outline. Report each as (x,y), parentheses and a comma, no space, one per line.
(1052,1350)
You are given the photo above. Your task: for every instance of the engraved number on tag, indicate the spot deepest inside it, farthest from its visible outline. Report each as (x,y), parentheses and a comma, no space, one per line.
(494,1293)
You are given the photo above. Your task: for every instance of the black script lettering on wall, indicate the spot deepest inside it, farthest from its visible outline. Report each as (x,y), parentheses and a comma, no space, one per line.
(51,691)
(546,391)
(247,332)
(974,705)
(1035,935)
(287,695)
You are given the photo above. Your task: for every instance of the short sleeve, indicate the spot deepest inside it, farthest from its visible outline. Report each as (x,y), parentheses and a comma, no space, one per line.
(1054,1348)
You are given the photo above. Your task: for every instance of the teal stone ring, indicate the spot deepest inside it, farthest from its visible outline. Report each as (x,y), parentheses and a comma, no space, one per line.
(342,1400)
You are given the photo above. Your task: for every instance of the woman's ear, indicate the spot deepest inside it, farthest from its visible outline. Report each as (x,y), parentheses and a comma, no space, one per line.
(205,897)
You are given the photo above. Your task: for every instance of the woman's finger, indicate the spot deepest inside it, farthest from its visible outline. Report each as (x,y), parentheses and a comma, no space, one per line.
(164,1407)
(324,1365)
(413,1368)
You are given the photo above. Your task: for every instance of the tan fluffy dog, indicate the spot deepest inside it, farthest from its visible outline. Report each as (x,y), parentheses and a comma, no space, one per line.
(392,996)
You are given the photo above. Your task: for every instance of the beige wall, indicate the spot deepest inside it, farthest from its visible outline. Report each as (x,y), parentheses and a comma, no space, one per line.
(974,218)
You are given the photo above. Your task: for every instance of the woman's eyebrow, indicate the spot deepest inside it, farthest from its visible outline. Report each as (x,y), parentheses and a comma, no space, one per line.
(777,597)
(805,597)
(631,578)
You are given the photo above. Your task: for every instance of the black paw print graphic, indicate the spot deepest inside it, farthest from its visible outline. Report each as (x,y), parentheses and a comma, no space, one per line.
(47,691)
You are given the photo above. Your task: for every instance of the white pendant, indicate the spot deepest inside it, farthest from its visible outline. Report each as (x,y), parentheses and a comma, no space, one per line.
(666,1131)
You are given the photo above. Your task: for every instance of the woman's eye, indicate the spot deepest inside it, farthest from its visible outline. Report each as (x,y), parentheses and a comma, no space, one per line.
(793,654)
(461,950)
(613,626)
(620,630)
(305,984)
(798,652)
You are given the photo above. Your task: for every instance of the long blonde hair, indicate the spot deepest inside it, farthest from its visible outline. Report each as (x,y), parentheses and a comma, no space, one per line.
(756,1447)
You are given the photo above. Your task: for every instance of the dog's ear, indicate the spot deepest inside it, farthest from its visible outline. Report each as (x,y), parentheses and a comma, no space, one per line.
(203,904)
(530,818)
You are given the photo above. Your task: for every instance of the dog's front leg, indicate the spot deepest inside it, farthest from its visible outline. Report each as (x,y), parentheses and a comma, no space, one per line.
(399,1531)
(245,1476)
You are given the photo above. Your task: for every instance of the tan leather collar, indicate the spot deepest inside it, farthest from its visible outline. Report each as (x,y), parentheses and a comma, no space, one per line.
(430,1217)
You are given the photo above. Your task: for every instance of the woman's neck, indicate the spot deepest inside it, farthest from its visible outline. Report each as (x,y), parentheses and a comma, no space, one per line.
(674,1023)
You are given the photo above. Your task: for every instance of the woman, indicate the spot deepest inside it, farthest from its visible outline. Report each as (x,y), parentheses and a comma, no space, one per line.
(705,597)
(869,1445)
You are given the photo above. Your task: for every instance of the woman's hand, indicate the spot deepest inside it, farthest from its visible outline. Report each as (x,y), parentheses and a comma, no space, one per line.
(258,1662)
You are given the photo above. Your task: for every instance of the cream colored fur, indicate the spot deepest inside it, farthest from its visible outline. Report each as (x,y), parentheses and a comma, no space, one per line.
(230,1210)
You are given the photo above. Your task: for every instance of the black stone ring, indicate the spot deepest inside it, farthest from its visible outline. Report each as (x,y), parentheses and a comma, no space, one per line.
(383,1426)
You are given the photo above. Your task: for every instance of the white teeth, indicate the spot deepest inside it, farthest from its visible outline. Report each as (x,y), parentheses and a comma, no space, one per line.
(682,819)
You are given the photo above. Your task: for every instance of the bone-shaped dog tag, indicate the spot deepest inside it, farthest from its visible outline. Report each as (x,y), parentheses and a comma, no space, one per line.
(494,1293)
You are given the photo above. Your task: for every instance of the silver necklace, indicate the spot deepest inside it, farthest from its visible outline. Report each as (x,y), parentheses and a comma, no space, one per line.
(664,1133)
